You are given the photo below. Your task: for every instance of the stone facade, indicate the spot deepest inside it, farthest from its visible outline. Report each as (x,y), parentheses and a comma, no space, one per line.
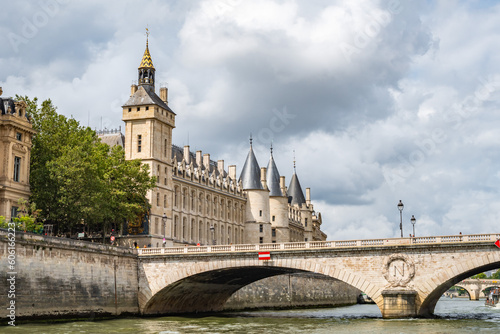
(196,201)
(15,149)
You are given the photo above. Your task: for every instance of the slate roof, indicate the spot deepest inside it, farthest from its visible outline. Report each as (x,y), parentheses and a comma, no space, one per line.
(145,95)
(273,178)
(115,139)
(295,193)
(250,174)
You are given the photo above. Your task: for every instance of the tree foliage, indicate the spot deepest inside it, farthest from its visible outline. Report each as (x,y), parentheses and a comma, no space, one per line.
(76,178)
(496,274)
(480,275)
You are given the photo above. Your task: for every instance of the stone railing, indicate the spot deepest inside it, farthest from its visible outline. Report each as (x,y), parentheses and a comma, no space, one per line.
(320,244)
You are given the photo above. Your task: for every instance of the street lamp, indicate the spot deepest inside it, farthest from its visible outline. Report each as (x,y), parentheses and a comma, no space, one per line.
(413,221)
(164,218)
(400,207)
(212,229)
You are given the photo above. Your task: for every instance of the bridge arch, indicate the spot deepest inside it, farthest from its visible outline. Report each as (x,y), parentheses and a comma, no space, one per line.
(197,289)
(452,276)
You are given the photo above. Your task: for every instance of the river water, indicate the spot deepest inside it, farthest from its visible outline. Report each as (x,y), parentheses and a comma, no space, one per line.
(456,315)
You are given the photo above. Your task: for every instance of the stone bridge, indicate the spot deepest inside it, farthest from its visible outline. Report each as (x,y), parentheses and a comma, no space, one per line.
(475,287)
(405,276)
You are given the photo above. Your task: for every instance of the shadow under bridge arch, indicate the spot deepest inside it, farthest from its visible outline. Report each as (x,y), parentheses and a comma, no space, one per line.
(208,291)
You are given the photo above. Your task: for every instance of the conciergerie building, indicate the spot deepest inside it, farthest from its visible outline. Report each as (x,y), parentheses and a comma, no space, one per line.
(196,200)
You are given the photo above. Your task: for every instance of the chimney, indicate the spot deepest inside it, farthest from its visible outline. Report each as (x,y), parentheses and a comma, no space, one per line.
(164,94)
(198,158)
(220,166)
(282,185)
(206,161)
(232,172)
(308,196)
(263,177)
(187,156)
(133,89)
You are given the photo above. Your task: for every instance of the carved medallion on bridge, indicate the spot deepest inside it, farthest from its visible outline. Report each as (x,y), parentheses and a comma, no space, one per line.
(399,270)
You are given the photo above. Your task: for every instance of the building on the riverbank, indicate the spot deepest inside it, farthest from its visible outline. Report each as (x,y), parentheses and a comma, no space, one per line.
(16,133)
(196,201)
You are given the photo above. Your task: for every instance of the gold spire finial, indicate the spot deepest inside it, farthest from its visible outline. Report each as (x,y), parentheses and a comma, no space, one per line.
(146,59)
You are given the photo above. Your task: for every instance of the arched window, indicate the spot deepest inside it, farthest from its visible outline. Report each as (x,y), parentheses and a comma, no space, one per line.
(207,205)
(184,223)
(215,203)
(200,206)
(200,231)
(193,227)
(176,224)
(222,209)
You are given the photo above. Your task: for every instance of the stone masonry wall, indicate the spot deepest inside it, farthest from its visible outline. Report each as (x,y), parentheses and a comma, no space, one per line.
(64,278)
(293,290)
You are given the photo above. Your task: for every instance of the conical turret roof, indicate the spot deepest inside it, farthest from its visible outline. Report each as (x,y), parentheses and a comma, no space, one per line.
(273,178)
(250,174)
(146,61)
(295,191)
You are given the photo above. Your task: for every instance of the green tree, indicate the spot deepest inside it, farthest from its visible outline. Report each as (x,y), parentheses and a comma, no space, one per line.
(75,178)
(496,274)
(480,275)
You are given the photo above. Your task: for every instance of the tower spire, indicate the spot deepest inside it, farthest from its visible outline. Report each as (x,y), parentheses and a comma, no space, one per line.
(294,170)
(146,68)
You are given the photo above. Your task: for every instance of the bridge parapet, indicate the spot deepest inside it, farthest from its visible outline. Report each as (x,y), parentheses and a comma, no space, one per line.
(320,244)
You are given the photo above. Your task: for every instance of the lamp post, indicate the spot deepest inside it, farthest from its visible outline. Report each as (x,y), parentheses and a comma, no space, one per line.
(400,207)
(212,229)
(164,218)
(413,221)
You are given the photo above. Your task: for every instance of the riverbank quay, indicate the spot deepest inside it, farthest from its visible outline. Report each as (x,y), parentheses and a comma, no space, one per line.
(62,279)
(59,278)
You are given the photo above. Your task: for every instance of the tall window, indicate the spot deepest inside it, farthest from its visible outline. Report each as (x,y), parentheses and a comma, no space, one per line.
(157,199)
(17,168)
(13,211)
(139,143)
(164,201)
(165,149)
(261,228)
(305,221)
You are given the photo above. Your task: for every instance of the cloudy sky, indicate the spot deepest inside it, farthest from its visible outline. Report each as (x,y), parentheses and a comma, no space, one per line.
(381,101)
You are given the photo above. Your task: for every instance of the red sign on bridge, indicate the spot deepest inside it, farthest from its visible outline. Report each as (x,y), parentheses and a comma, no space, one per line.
(264,256)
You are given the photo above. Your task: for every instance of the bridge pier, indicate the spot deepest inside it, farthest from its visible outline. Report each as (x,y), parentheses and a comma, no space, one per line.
(399,303)
(474,294)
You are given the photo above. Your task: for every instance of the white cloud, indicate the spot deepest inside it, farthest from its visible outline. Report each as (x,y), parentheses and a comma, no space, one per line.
(410,112)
